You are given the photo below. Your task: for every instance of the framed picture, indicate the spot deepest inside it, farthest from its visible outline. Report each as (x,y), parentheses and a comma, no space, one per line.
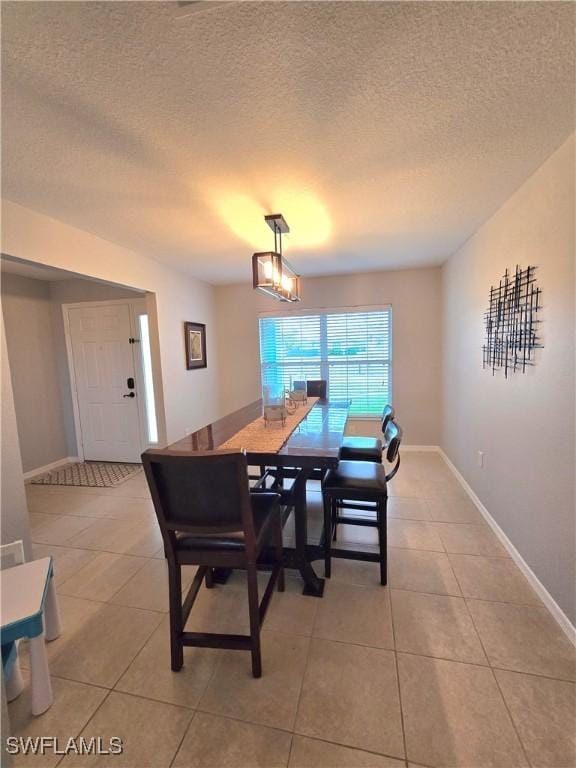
(195,335)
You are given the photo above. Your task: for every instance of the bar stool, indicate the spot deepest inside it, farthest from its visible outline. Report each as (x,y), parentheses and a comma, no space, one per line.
(366,448)
(360,486)
(317,388)
(209,517)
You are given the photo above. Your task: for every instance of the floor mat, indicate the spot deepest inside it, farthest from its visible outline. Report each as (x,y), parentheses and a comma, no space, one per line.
(93,474)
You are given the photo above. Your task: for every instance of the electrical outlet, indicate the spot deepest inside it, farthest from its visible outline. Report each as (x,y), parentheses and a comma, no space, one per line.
(481,459)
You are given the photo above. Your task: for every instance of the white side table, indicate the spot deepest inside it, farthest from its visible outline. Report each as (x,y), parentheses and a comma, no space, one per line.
(29,608)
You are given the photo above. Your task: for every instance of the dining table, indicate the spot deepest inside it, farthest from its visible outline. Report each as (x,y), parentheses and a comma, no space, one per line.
(307,453)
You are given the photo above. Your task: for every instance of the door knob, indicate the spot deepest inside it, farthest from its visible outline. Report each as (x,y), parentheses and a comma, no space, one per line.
(130,394)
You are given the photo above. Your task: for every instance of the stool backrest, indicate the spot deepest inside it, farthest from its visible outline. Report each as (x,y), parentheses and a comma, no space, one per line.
(387,415)
(299,386)
(199,492)
(393,439)
(317,388)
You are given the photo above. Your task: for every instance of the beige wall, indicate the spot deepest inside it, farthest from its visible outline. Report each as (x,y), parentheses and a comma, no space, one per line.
(39,364)
(190,397)
(415,297)
(78,289)
(34,368)
(524,425)
(14,518)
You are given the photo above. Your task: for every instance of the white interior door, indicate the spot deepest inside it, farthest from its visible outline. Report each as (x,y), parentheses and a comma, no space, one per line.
(103,364)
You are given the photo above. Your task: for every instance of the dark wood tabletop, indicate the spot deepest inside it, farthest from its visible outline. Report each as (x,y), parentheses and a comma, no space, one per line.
(311,449)
(320,431)
(313,443)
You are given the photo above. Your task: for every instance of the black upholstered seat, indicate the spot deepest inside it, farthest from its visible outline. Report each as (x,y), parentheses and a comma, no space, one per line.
(360,486)
(361,449)
(264,507)
(366,448)
(357,477)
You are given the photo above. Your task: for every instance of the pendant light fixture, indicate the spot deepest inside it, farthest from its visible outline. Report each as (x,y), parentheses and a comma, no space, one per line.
(271,272)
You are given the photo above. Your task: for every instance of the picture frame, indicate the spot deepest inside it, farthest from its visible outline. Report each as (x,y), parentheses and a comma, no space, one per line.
(195,341)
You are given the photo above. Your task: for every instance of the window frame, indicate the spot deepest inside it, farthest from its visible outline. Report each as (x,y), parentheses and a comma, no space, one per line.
(324,363)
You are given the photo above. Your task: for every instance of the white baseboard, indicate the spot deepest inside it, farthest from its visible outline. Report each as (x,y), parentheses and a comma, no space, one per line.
(557,613)
(428,448)
(48,467)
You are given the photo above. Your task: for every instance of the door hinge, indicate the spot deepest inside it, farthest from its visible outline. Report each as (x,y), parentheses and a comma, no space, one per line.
(132,340)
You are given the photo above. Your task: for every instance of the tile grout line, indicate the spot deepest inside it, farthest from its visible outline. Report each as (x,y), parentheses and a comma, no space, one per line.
(356,749)
(345,642)
(151,558)
(156,701)
(124,583)
(55,519)
(494,677)
(99,551)
(547,599)
(179,746)
(144,698)
(524,751)
(305,670)
(198,708)
(210,678)
(246,722)
(67,545)
(292,737)
(121,675)
(292,733)
(87,723)
(89,717)
(117,680)
(538,675)
(404,741)
(106,602)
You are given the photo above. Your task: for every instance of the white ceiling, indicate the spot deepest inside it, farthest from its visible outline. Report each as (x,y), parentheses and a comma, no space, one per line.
(386,133)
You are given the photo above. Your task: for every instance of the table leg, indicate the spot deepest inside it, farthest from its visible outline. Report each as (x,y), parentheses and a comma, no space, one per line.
(221,575)
(15,682)
(42,696)
(313,585)
(5,719)
(52,623)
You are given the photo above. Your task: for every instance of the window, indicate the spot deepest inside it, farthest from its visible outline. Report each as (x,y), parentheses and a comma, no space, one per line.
(146,360)
(351,350)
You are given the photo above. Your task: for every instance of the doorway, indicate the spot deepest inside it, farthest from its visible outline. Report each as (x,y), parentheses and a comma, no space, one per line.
(110,376)
(76,346)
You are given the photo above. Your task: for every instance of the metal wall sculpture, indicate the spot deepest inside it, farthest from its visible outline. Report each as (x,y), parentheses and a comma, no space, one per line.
(511,322)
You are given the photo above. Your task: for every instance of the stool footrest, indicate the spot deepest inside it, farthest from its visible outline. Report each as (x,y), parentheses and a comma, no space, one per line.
(359,507)
(345,520)
(212,640)
(356,554)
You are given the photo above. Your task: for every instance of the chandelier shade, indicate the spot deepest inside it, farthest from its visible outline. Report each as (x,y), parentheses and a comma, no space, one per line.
(273,276)
(271,272)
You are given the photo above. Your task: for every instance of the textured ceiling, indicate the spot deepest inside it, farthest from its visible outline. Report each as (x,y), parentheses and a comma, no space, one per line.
(386,133)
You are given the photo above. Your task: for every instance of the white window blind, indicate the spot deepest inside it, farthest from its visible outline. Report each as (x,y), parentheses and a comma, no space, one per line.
(351,350)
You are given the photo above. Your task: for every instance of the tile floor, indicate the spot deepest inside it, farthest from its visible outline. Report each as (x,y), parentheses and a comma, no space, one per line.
(455,663)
